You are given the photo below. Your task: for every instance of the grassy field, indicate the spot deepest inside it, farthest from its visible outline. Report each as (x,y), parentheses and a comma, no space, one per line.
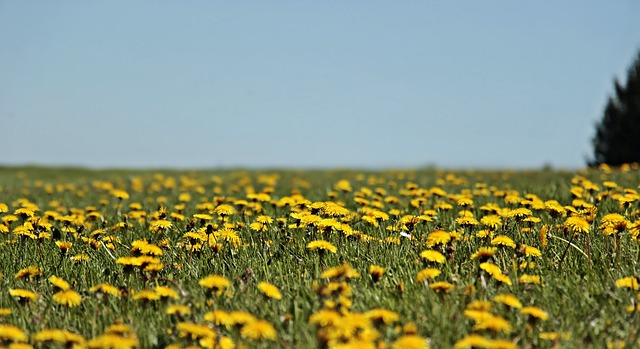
(319,259)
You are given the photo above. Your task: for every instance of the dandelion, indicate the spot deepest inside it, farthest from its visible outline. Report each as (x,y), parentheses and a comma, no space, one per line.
(105,288)
(109,340)
(493,323)
(69,298)
(508,299)
(492,222)
(23,295)
(166,292)
(382,316)
(473,341)
(577,224)
(32,271)
(343,271)
(484,253)
(503,240)
(490,268)
(59,283)
(257,330)
(438,237)
(269,290)
(410,342)
(529,279)
(630,282)
(535,312)
(120,194)
(427,274)
(11,333)
(178,310)
(58,336)
(433,256)
(613,223)
(64,246)
(215,283)
(224,210)
(325,318)
(239,317)
(442,287)
(160,224)
(376,272)
(321,245)
(502,278)
(142,247)
(529,251)
(219,318)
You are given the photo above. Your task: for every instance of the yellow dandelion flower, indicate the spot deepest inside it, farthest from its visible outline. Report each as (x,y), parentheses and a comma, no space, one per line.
(433,256)
(529,251)
(81,257)
(529,279)
(23,295)
(257,330)
(492,222)
(59,283)
(215,283)
(628,282)
(343,185)
(224,210)
(105,288)
(612,223)
(325,317)
(269,290)
(178,309)
(382,316)
(577,224)
(442,286)
(160,224)
(120,194)
(11,333)
(339,272)
(194,330)
(410,342)
(5,311)
(490,268)
(438,237)
(535,312)
(145,248)
(24,212)
(484,253)
(503,240)
(376,272)
(68,298)
(427,274)
(473,341)
(146,295)
(239,317)
(60,337)
(502,278)
(29,272)
(493,323)
(109,340)
(508,299)
(321,245)
(166,292)
(219,318)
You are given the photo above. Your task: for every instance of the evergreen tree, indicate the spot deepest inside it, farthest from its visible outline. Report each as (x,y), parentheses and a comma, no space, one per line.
(617,138)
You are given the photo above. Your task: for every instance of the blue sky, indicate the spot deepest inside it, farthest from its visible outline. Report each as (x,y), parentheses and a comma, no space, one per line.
(376,84)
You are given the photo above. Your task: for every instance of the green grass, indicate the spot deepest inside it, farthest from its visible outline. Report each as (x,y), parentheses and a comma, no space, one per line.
(578,288)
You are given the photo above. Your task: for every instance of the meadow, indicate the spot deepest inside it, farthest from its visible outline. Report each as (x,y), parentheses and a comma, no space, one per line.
(319,259)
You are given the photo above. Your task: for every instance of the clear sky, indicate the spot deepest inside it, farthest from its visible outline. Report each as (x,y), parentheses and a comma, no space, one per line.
(409,83)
